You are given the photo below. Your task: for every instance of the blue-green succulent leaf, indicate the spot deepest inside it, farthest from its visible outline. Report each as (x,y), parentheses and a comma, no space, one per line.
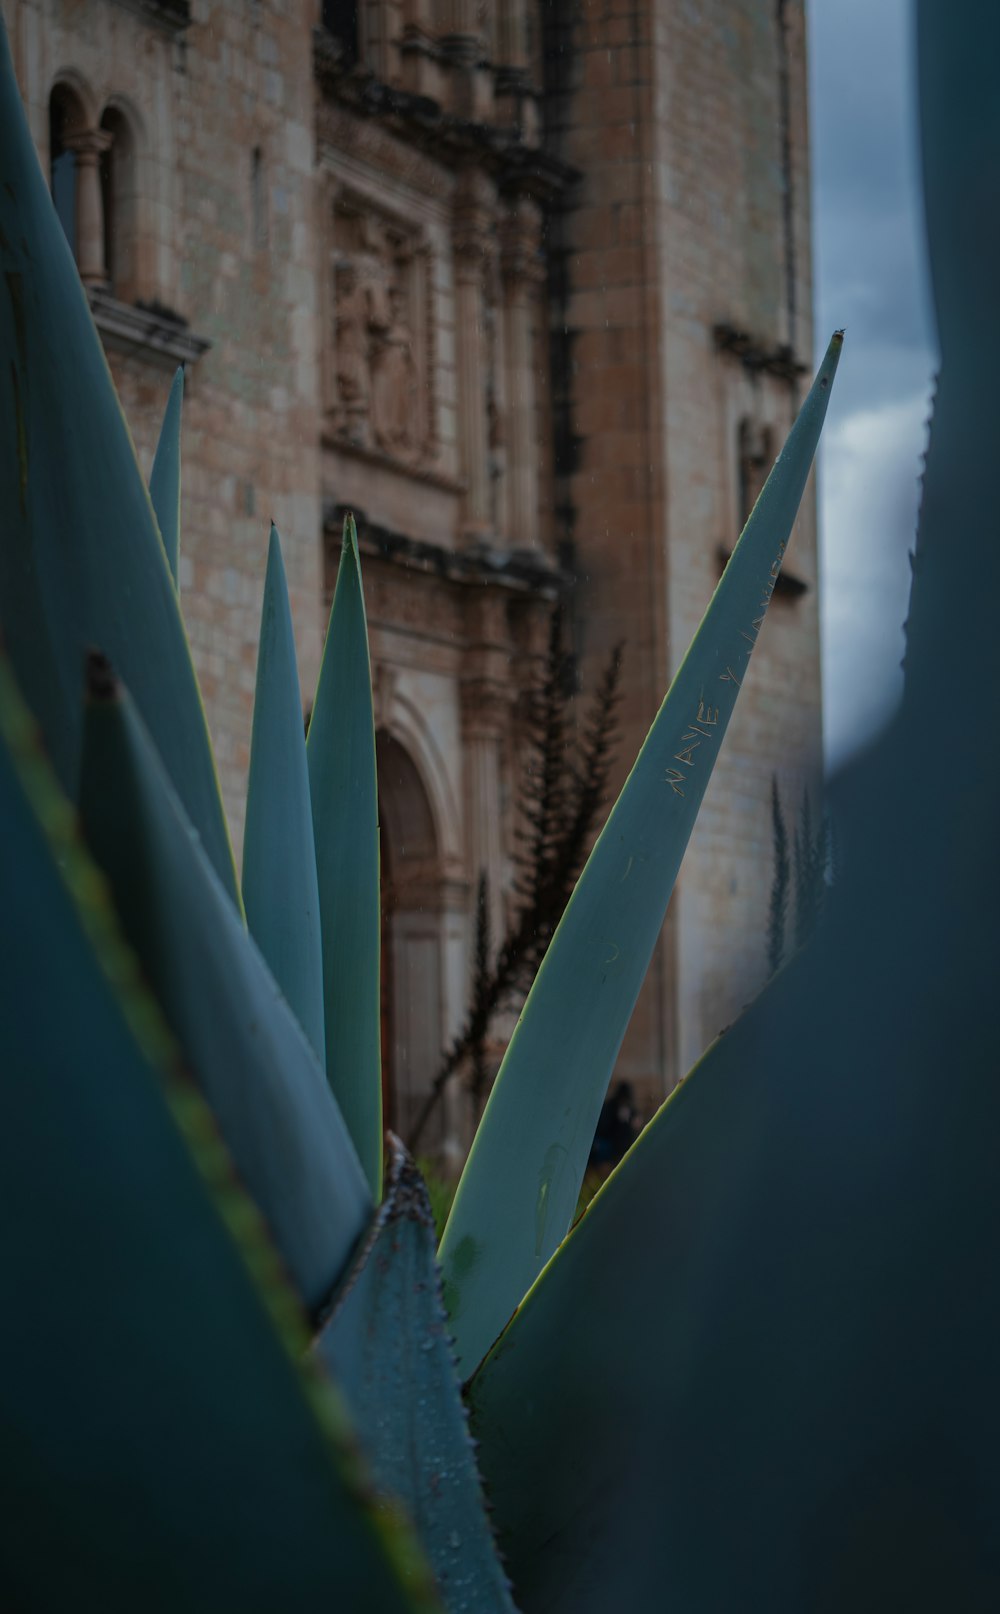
(163,1447)
(341,752)
(388,1350)
(165,477)
(241,1041)
(522,1180)
(81,562)
(778,1309)
(280,884)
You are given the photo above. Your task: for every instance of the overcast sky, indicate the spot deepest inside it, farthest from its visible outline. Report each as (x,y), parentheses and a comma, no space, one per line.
(870,276)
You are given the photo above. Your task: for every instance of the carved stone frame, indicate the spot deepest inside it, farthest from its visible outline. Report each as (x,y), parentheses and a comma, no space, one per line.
(405,252)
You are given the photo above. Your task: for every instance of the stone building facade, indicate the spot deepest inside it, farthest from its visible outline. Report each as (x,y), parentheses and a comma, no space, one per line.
(526,285)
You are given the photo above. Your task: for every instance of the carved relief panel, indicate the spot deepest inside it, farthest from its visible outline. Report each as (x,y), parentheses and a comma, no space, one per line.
(380,369)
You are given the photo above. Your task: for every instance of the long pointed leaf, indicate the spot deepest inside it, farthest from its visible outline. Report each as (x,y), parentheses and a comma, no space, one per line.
(777,1326)
(165,477)
(162,1447)
(243,1044)
(81,561)
(341,752)
(387,1348)
(522,1180)
(280,885)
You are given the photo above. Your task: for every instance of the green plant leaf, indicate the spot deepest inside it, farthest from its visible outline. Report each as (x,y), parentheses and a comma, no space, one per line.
(521,1183)
(779,1311)
(280,887)
(387,1348)
(81,561)
(163,1447)
(246,1049)
(341,752)
(165,477)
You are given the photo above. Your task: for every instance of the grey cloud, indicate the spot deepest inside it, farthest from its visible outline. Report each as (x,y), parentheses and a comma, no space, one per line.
(870,276)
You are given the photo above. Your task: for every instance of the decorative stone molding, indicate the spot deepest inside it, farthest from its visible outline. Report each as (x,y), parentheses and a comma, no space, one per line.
(147,329)
(422,125)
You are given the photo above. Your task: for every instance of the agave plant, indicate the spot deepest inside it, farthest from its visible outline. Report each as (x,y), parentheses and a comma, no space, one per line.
(231,1377)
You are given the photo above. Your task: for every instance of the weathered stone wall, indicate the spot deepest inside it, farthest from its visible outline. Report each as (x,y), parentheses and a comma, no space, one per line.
(688,125)
(202,100)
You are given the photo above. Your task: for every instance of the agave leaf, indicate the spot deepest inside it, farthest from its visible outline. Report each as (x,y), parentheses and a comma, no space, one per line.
(165,477)
(341,752)
(779,1311)
(280,889)
(81,561)
(387,1348)
(522,1180)
(240,1039)
(162,1447)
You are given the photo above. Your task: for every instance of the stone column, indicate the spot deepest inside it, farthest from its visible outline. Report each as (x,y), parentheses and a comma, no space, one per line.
(88,148)
(473,242)
(458,29)
(523,270)
(486,694)
(484,716)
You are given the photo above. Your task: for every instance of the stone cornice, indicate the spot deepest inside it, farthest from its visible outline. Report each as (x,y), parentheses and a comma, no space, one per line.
(423,122)
(156,331)
(332,439)
(172,15)
(517,571)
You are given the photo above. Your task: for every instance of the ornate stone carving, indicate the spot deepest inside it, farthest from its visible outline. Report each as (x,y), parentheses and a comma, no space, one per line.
(381,395)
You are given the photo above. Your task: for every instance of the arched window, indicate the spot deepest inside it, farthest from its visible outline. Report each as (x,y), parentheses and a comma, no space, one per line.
(67,122)
(342,19)
(756,456)
(119,204)
(258,200)
(94,181)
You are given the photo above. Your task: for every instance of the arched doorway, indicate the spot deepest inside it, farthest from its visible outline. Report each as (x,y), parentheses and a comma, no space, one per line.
(412,977)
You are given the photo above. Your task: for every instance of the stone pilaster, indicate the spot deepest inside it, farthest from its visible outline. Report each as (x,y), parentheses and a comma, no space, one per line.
(523,270)
(473,244)
(512,34)
(88,148)
(486,696)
